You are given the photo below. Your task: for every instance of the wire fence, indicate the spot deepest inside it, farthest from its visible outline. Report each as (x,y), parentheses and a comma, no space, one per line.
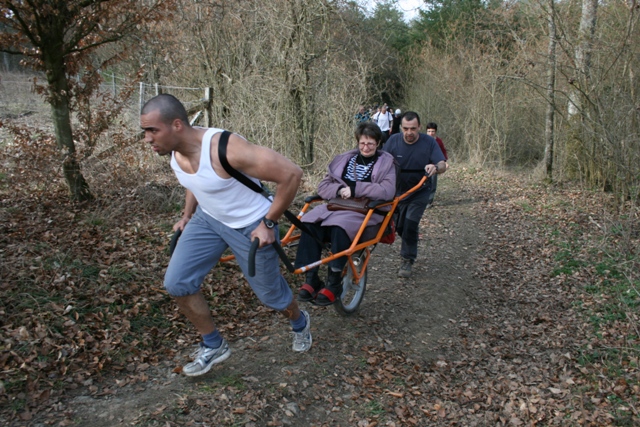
(18,97)
(19,100)
(117,155)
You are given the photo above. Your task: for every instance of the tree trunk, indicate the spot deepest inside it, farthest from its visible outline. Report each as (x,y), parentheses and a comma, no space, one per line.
(583,56)
(299,76)
(304,125)
(61,113)
(551,102)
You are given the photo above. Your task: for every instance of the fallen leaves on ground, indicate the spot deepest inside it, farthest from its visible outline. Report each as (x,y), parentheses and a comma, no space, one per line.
(83,308)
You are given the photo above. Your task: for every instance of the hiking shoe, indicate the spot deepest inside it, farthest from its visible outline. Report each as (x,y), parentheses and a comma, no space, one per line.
(302,340)
(205,357)
(405,269)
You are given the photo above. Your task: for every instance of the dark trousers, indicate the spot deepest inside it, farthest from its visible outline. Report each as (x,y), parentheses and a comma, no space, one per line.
(434,184)
(385,136)
(407,216)
(310,249)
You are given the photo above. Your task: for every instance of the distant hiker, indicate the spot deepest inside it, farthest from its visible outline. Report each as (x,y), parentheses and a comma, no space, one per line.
(383,119)
(417,154)
(432,129)
(361,116)
(220,212)
(397,118)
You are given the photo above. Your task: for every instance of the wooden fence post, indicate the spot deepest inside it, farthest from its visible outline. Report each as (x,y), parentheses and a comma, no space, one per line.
(141,96)
(208,96)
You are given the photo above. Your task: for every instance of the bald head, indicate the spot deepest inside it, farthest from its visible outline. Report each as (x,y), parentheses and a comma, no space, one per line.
(169,108)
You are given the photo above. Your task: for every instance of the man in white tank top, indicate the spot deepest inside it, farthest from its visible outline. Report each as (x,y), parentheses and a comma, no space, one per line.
(220,212)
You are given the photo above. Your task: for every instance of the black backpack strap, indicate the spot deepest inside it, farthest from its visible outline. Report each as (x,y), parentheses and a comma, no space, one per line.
(222,155)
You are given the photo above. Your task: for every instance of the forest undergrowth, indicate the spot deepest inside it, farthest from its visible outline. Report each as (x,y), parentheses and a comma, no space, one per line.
(552,339)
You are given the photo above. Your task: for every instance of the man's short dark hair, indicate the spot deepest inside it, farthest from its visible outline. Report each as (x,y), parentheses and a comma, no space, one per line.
(410,115)
(432,125)
(369,129)
(169,106)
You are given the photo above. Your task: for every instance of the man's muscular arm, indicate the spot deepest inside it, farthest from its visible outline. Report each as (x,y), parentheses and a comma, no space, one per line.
(266,165)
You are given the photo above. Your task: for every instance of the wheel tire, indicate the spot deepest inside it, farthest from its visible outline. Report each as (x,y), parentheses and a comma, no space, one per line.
(352,293)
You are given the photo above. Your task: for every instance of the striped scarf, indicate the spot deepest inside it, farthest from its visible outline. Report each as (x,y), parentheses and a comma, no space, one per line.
(358,172)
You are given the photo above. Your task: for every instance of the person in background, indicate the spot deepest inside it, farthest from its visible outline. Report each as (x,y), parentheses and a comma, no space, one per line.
(362,172)
(383,119)
(361,116)
(221,212)
(397,118)
(417,154)
(432,129)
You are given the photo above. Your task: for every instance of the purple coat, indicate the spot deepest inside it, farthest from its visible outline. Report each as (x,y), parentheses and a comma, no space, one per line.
(381,187)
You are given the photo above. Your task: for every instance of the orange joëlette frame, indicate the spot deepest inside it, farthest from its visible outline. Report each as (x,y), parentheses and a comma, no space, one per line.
(355,245)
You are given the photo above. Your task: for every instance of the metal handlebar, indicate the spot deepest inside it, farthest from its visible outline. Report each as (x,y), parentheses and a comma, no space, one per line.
(174,241)
(252,257)
(255,244)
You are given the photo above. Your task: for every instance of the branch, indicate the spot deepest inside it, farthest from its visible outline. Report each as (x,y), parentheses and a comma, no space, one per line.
(23,25)
(11,52)
(114,35)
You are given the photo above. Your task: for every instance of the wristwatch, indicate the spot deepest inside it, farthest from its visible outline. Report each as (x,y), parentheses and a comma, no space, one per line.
(269,223)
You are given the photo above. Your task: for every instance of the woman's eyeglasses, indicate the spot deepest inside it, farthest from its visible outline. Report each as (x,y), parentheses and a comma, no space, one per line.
(368,144)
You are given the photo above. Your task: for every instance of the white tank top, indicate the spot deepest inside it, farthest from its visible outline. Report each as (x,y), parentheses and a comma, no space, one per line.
(227,200)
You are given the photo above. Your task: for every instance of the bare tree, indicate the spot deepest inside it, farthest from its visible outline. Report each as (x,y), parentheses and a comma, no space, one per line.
(551,93)
(59,37)
(583,55)
(291,78)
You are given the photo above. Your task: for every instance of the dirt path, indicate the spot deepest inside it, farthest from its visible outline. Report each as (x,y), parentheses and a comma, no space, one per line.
(516,314)
(357,365)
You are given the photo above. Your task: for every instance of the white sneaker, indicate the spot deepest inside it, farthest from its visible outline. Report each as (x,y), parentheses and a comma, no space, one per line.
(302,340)
(205,357)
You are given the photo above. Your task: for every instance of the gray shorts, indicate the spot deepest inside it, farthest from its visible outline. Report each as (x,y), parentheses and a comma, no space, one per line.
(203,241)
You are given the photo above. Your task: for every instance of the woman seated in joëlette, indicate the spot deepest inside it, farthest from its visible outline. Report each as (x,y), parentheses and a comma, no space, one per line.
(362,172)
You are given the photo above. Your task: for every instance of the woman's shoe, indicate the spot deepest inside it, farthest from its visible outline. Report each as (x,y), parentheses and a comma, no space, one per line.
(326,297)
(332,292)
(307,293)
(309,290)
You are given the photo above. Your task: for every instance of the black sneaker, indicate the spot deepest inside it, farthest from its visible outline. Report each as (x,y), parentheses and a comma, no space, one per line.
(405,269)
